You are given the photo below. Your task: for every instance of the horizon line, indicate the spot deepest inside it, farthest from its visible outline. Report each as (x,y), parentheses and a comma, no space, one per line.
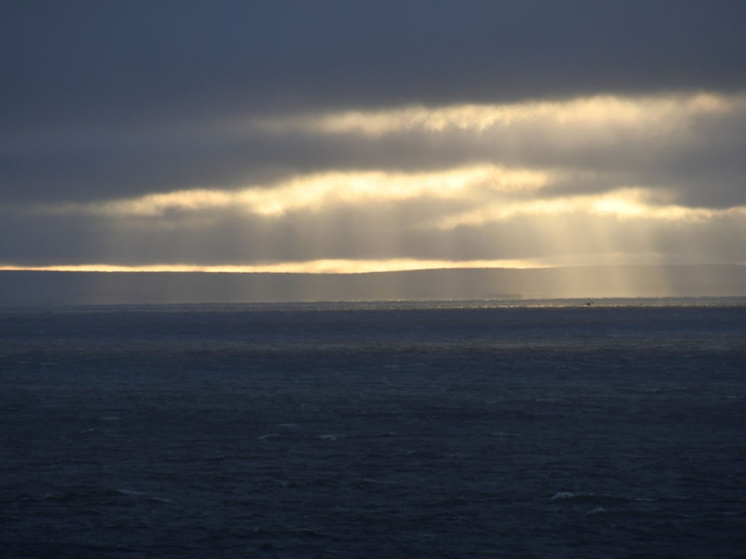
(333,267)
(317,267)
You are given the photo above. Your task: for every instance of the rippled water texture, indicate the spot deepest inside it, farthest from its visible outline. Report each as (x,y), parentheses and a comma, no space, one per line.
(373,431)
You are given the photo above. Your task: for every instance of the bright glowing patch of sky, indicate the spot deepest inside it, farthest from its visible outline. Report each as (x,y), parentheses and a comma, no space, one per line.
(606,112)
(314,191)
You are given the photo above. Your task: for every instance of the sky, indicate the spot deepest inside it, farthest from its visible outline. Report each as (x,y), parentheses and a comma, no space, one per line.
(337,136)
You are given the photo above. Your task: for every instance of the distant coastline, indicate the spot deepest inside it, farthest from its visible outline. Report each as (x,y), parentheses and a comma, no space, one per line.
(40,288)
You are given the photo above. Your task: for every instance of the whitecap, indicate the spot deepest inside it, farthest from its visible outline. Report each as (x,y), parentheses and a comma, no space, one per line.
(565,495)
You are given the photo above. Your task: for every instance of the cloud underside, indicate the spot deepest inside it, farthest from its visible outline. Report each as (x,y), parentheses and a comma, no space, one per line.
(605,179)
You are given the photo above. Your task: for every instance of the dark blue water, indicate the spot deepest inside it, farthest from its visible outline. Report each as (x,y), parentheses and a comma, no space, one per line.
(391,430)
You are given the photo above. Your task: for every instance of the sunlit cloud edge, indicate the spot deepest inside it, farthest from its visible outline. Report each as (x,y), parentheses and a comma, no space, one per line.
(606,110)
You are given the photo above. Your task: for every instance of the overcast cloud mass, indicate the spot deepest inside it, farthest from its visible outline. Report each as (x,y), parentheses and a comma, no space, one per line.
(356,136)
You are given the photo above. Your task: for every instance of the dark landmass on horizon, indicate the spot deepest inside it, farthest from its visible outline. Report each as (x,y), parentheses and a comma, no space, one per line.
(55,288)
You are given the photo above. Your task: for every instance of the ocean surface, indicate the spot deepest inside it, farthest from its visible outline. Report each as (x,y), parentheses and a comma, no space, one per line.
(532,429)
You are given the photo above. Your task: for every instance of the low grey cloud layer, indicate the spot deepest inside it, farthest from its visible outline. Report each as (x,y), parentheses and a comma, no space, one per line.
(242,133)
(697,152)
(88,61)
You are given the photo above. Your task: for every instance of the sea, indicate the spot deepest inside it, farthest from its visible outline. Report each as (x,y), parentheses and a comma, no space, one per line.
(531,429)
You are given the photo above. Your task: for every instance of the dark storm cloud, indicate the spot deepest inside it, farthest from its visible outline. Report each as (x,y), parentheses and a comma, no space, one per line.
(102,164)
(116,99)
(691,152)
(92,61)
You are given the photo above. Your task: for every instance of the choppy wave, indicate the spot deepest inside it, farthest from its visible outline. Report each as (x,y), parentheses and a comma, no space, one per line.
(344,432)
